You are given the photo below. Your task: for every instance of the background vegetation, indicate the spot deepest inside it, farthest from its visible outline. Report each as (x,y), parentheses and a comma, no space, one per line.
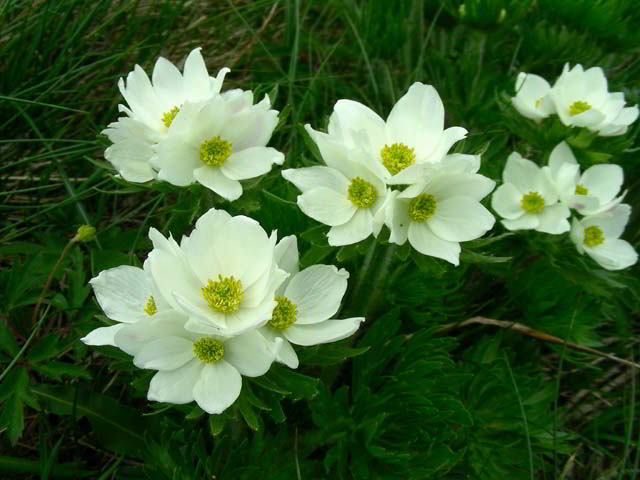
(418,398)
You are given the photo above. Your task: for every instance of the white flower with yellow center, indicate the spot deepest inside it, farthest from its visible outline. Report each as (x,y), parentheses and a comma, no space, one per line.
(218,143)
(345,194)
(582,99)
(532,98)
(305,304)
(598,236)
(152,105)
(127,295)
(436,215)
(223,276)
(527,199)
(413,134)
(592,192)
(192,366)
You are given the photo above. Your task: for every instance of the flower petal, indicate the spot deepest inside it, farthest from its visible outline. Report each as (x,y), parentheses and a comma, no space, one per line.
(603,181)
(218,387)
(526,222)
(167,353)
(359,227)
(611,222)
(506,201)
(251,353)
(613,254)
(251,162)
(196,77)
(214,179)
(309,178)
(286,254)
(132,338)
(459,219)
(357,125)
(553,219)
(102,335)
(175,386)
(167,82)
(425,242)
(122,292)
(323,332)
(326,206)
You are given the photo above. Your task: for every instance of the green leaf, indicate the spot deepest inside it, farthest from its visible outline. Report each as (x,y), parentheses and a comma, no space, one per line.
(12,418)
(295,384)
(216,424)
(469,256)
(46,348)
(329,354)
(57,370)
(7,341)
(247,412)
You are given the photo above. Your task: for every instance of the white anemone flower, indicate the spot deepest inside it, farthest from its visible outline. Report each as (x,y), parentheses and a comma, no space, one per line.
(413,134)
(527,199)
(127,295)
(152,107)
(306,302)
(439,213)
(592,192)
(217,143)
(598,236)
(345,194)
(193,366)
(532,98)
(223,276)
(582,99)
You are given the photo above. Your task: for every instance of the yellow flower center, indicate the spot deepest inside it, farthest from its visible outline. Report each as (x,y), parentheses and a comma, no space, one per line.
(422,207)
(362,193)
(208,350)
(284,315)
(581,190)
(532,202)
(215,151)
(397,157)
(538,102)
(150,308)
(169,116)
(593,236)
(578,107)
(224,295)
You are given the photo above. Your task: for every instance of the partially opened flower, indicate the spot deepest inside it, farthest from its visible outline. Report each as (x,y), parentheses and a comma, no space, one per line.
(598,236)
(223,276)
(305,304)
(413,134)
(346,194)
(218,143)
(438,214)
(582,99)
(532,98)
(192,366)
(152,105)
(527,199)
(593,191)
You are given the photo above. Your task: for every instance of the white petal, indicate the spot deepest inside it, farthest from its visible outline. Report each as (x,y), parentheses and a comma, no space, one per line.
(196,77)
(133,338)
(450,136)
(357,124)
(214,179)
(175,386)
(286,254)
(180,172)
(613,254)
(251,162)
(611,222)
(102,335)
(521,173)
(251,353)
(359,227)
(323,332)
(309,178)
(560,155)
(473,186)
(553,220)
(286,354)
(506,201)
(459,219)
(122,292)
(525,222)
(167,81)
(397,219)
(425,242)
(167,353)
(317,292)
(603,181)
(326,206)
(250,128)
(218,387)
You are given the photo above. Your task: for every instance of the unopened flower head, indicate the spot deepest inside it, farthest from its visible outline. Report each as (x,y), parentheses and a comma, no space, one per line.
(532,98)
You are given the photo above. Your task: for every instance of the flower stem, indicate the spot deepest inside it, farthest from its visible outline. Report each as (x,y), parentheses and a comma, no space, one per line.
(379,282)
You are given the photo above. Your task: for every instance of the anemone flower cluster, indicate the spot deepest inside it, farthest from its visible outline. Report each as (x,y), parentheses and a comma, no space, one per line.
(579,97)
(224,303)
(180,128)
(367,159)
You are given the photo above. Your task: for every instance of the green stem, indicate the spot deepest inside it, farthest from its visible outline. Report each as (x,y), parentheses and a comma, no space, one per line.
(377,290)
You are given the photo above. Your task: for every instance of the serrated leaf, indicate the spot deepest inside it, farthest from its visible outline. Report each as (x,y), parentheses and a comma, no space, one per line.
(329,354)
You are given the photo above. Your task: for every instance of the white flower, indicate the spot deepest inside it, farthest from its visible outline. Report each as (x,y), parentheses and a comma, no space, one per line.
(306,302)
(582,99)
(192,366)
(152,107)
(223,276)
(598,236)
(528,200)
(217,143)
(592,192)
(412,135)
(126,295)
(345,194)
(532,97)
(437,214)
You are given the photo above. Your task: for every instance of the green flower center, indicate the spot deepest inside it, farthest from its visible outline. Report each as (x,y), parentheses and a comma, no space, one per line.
(532,202)
(208,350)
(215,151)
(284,315)
(362,193)
(581,190)
(397,157)
(169,116)
(422,207)
(224,295)
(578,107)
(150,308)
(593,236)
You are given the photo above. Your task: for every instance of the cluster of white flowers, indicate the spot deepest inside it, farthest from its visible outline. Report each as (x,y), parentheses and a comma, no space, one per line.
(367,159)
(180,128)
(579,97)
(226,302)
